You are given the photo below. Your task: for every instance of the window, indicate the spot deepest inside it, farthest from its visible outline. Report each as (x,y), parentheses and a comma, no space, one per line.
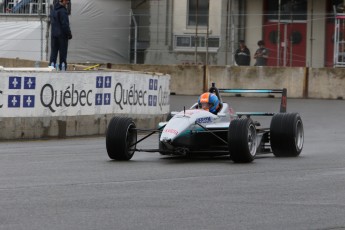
(198,11)
(188,42)
(213,42)
(183,41)
(289,10)
(200,41)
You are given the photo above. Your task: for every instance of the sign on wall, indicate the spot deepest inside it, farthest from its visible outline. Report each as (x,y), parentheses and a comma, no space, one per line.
(30,94)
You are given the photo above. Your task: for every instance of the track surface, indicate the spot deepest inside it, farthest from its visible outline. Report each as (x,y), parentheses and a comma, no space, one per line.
(72,184)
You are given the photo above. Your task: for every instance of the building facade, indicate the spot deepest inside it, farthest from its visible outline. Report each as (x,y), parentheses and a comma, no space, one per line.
(296,32)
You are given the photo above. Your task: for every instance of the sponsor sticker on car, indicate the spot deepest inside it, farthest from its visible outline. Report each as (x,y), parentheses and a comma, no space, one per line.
(204,120)
(172,131)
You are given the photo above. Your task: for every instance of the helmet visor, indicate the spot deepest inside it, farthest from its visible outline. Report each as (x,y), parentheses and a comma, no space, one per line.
(206,106)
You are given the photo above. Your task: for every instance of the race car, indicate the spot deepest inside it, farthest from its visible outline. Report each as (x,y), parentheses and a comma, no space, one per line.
(195,131)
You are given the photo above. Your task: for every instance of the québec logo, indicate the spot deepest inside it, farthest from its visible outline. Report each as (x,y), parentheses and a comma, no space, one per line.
(15,99)
(153,87)
(103,82)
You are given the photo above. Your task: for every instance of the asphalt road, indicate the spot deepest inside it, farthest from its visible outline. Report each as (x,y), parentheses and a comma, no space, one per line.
(72,184)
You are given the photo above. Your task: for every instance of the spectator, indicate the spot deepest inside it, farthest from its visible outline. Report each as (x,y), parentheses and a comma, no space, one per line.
(261,54)
(242,55)
(60,34)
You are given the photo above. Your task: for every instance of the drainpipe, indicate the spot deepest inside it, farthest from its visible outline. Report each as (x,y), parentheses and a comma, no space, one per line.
(135,37)
(207,36)
(278,35)
(311,33)
(227,32)
(232,24)
(196,32)
(42,29)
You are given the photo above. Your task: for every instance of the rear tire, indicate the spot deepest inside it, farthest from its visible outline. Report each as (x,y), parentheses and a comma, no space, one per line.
(121,138)
(286,134)
(242,140)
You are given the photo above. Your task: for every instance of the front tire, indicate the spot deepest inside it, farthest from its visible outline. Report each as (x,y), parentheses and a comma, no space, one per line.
(286,134)
(242,140)
(121,138)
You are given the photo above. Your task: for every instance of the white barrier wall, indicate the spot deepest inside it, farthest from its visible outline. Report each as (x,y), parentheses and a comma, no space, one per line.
(70,94)
(31,101)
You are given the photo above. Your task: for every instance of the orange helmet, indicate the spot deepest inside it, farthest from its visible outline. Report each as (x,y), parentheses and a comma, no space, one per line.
(208,101)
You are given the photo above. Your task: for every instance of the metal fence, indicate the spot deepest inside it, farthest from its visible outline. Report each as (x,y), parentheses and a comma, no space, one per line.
(35,7)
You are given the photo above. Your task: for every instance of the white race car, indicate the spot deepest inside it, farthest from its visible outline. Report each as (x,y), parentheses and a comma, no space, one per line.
(195,131)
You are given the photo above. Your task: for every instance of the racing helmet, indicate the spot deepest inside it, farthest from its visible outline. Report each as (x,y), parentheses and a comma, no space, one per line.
(208,101)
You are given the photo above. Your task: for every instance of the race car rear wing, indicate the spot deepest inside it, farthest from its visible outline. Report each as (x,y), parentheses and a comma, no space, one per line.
(283,92)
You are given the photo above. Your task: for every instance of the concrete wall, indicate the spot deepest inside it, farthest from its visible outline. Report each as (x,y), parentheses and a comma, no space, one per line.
(259,78)
(326,83)
(301,82)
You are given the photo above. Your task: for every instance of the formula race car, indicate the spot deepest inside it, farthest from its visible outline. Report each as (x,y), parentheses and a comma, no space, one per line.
(195,131)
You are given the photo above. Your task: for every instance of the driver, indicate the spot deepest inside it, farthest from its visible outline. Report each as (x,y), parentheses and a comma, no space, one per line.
(209,102)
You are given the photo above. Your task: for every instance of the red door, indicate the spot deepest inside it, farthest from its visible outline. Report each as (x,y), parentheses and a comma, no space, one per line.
(329,44)
(292,48)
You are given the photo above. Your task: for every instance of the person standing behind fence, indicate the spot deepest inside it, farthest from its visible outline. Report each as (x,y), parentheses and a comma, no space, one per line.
(60,33)
(242,55)
(261,54)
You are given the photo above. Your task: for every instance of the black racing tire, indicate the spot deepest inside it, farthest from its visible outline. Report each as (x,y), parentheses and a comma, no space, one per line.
(242,141)
(286,134)
(121,138)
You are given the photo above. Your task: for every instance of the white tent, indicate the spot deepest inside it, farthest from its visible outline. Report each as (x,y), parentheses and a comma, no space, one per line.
(100,29)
